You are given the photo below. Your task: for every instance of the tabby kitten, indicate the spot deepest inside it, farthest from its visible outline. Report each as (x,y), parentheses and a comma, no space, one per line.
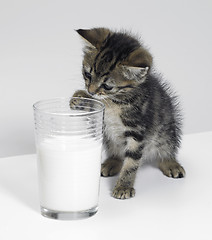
(142,121)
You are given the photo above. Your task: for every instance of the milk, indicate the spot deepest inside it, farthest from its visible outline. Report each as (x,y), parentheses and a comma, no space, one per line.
(69,173)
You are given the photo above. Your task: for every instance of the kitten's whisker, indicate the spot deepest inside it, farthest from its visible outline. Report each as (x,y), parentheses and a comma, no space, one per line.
(107,102)
(117,100)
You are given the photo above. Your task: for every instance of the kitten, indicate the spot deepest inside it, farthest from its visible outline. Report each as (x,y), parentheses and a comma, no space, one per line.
(142,121)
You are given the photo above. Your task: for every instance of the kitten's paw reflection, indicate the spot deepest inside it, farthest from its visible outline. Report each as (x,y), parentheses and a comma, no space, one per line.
(111,167)
(123,192)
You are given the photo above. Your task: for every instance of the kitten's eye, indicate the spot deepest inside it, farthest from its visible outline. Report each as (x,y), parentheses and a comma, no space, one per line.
(87,75)
(106,87)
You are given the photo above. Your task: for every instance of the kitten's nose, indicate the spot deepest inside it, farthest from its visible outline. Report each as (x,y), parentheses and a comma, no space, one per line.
(91,89)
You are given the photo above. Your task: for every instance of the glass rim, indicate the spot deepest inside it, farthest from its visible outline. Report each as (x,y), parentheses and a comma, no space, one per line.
(78,114)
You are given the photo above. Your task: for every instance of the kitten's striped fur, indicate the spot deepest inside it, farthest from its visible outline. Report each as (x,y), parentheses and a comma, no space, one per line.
(142,121)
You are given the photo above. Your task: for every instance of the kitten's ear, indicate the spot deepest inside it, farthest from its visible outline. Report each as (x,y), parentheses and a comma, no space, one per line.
(137,64)
(95,36)
(135,73)
(140,58)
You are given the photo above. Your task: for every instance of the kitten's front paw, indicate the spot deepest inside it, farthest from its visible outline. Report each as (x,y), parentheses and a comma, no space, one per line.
(123,192)
(75,102)
(81,93)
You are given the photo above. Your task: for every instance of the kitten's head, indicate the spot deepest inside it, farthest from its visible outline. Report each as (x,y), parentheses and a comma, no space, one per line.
(114,63)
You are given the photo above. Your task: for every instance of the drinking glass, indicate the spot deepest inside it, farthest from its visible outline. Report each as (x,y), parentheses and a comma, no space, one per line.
(68,134)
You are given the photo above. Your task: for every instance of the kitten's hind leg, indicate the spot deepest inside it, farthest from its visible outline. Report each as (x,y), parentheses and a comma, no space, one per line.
(171,168)
(111,166)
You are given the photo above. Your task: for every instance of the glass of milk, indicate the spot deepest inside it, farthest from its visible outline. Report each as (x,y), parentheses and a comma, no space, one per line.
(69,145)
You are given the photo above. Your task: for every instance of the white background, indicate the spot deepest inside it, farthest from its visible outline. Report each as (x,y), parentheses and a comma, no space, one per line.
(40,55)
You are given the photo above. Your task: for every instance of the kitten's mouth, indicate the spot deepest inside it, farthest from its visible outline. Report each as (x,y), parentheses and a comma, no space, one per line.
(100,97)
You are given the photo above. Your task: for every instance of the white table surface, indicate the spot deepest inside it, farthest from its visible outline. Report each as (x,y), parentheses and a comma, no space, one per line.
(163,208)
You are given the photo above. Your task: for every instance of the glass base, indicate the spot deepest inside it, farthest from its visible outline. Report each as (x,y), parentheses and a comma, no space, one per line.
(68,215)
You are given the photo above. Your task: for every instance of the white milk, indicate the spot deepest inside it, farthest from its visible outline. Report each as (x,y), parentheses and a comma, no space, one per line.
(69,173)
